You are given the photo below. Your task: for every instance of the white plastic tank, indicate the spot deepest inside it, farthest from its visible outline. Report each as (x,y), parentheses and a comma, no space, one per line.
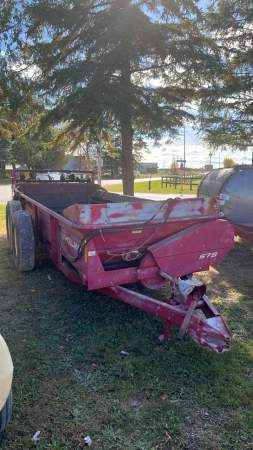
(235,187)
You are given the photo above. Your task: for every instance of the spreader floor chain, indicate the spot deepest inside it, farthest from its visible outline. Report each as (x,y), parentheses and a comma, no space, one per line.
(195,314)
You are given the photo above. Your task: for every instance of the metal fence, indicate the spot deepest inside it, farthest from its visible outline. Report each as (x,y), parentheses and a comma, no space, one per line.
(186,180)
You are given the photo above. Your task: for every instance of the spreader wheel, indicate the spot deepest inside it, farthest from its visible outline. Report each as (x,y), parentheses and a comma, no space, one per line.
(23,241)
(11,208)
(155,282)
(5,413)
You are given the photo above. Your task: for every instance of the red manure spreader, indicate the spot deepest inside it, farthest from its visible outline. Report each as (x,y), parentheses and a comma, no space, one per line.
(105,241)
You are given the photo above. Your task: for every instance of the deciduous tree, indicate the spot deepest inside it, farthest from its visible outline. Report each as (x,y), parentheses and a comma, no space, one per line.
(18,105)
(228,162)
(40,150)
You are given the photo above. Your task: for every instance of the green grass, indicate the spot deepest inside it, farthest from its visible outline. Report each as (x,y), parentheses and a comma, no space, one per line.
(121,404)
(4,182)
(2,219)
(155,188)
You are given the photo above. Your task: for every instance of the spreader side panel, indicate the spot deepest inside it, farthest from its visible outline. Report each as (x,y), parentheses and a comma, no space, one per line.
(194,249)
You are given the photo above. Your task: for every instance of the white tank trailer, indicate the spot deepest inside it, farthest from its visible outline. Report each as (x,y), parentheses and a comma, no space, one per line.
(234,187)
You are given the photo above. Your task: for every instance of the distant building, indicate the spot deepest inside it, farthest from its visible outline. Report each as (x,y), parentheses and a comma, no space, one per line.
(209,167)
(148,167)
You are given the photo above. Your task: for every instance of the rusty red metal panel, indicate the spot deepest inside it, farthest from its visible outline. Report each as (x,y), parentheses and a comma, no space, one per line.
(207,237)
(194,249)
(191,250)
(114,213)
(86,214)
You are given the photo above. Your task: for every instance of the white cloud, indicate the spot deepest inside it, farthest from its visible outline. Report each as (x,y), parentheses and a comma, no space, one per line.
(196,154)
(26,71)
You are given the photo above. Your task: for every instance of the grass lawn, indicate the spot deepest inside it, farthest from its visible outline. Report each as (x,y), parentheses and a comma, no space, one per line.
(70,379)
(142,187)
(4,182)
(2,219)
(155,188)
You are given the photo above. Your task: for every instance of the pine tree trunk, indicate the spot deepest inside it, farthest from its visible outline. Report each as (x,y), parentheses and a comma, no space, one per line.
(127,130)
(127,158)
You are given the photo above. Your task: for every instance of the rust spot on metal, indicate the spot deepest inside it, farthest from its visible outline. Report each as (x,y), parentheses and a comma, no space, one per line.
(116,215)
(136,205)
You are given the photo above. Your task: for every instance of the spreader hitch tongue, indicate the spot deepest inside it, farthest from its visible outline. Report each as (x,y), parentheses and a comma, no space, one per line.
(198,317)
(194,314)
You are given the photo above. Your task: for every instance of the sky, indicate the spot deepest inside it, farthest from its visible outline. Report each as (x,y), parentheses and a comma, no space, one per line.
(196,154)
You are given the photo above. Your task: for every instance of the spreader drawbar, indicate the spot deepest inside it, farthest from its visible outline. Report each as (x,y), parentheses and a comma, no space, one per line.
(206,326)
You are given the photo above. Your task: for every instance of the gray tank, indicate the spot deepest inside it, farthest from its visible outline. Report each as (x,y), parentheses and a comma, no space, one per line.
(235,187)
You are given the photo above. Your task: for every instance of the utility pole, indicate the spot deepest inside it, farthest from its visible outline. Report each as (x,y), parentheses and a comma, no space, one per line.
(99,164)
(184,152)
(80,158)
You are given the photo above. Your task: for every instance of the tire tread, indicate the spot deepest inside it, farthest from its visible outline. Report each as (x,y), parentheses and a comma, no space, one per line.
(23,241)
(11,207)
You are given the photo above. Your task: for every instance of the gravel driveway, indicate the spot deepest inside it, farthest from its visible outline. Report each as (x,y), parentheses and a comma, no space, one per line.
(5,194)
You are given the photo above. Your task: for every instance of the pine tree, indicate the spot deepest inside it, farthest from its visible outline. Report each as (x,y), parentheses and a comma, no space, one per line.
(227,107)
(133,65)
(5,150)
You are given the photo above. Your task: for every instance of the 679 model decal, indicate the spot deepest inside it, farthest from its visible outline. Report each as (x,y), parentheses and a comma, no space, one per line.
(207,255)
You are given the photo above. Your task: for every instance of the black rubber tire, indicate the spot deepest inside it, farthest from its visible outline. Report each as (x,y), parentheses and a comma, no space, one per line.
(11,208)
(23,241)
(5,413)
